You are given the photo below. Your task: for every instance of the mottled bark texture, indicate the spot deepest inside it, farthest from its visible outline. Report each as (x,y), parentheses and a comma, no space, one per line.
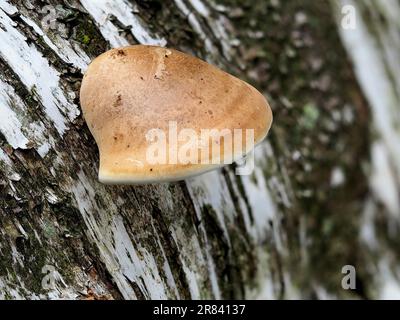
(286,231)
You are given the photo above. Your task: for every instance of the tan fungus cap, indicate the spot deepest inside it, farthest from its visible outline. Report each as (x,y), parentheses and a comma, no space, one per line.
(128,91)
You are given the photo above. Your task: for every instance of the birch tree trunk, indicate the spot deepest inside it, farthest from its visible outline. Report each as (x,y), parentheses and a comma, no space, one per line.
(324,194)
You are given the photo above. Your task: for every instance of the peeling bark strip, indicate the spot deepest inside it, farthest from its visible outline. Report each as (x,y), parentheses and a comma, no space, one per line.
(36,74)
(284,232)
(124,12)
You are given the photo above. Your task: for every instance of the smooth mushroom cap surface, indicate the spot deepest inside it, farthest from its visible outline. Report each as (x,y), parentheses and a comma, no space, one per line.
(128,91)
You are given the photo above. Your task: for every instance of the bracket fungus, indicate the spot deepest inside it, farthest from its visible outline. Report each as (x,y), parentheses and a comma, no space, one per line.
(157,113)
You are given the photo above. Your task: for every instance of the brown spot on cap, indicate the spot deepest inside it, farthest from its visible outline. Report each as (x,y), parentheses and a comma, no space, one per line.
(118,101)
(121,52)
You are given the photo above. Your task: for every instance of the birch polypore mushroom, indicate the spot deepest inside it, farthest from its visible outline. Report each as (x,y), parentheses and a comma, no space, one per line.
(157,114)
